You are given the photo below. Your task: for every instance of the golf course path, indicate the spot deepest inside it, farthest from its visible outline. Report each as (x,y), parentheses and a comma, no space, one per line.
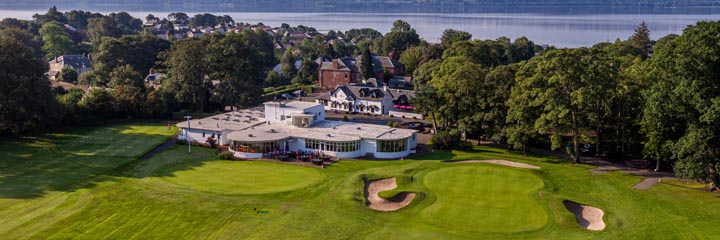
(647,183)
(651,179)
(374,201)
(588,217)
(171,142)
(503,162)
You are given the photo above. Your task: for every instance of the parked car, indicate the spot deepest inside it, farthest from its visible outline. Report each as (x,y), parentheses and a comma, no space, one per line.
(287,96)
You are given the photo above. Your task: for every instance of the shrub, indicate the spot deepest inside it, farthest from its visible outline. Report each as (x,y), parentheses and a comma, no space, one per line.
(449,140)
(226,155)
(345,119)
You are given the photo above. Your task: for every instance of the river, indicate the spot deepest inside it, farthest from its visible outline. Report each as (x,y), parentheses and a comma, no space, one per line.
(560,30)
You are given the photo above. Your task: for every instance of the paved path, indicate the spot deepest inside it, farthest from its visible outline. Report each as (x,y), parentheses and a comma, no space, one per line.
(160,148)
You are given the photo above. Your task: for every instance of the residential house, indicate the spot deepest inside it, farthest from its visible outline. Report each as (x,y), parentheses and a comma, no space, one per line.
(79,63)
(340,71)
(154,79)
(359,99)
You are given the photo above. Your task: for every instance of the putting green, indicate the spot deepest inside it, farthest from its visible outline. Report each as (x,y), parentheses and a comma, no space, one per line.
(241,177)
(484,199)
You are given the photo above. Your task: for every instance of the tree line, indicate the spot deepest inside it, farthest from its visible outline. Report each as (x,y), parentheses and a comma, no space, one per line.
(658,99)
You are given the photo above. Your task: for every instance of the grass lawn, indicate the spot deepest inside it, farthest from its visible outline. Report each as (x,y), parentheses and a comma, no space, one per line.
(234,177)
(87,184)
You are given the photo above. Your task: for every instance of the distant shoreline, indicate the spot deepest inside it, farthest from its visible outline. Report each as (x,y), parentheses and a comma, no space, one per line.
(358,8)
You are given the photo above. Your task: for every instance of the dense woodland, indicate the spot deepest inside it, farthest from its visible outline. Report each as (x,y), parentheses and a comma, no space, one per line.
(659,99)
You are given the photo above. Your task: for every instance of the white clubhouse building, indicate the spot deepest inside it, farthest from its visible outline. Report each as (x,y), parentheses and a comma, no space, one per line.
(298,127)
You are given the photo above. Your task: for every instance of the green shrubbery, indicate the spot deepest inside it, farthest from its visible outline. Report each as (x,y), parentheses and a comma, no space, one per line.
(447,140)
(226,155)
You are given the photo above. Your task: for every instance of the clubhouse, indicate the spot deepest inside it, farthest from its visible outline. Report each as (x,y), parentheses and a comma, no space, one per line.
(298,127)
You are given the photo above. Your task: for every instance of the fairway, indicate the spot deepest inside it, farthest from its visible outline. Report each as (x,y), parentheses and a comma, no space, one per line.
(484,199)
(242,177)
(89,184)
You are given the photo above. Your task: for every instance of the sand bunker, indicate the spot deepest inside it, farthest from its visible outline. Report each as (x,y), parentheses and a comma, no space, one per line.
(504,162)
(374,201)
(589,217)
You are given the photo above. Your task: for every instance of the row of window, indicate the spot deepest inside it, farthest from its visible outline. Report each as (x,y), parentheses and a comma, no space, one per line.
(182,133)
(332,146)
(391,145)
(256,147)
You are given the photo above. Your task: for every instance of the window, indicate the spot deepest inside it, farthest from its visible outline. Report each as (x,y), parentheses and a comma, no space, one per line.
(391,145)
(256,147)
(203,134)
(282,117)
(346,75)
(332,146)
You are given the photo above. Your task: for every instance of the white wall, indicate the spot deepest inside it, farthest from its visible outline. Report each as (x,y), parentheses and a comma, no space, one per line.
(246,155)
(196,135)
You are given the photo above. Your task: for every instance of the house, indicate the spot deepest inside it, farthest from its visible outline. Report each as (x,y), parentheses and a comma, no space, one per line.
(358,99)
(154,79)
(370,97)
(296,35)
(298,127)
(340,71)
(194,34)
(77,62)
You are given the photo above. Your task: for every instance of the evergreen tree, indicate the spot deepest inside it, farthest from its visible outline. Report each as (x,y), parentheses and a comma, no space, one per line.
(366,65)
(641,38)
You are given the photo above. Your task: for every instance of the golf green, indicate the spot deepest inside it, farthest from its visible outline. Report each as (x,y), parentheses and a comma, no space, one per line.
(241,177)
(484,199)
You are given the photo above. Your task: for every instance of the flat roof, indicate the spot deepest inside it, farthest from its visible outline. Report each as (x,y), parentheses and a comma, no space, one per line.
(336,131)
(236,120)
(293,105)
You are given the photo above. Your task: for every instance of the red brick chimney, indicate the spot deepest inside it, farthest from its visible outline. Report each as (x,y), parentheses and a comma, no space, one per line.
(335,63)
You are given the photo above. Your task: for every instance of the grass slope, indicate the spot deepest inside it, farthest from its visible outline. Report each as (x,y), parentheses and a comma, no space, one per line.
(64,193)
(233,177)
(44,179)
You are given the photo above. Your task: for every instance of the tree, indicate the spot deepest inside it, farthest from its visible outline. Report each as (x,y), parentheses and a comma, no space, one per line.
(288,70)
(641,38)
(99,103)
(128,88)
(366,65)
(307,72)
(100,27)
(412,58)
(179,18)
(358,34)
(140,52)
(451,36)
(274,79)
(79,19)
(558,84)
(25,93)
(399,41)
(460,85)
(401,26)
(523,109)
(185,62)
(240,62)
(25,37)
(683,104)
(57,40)
(68,75)
(52,15)
(423,74)
(523,49)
